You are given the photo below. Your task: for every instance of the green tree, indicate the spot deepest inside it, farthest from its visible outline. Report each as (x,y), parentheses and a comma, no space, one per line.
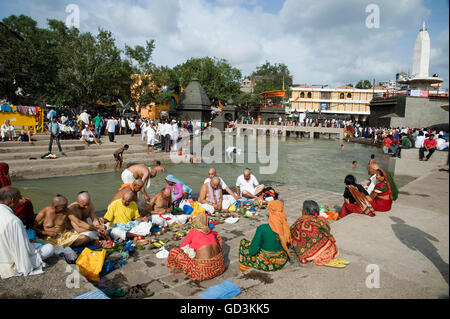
(363,84)
(350,84)
(220,80)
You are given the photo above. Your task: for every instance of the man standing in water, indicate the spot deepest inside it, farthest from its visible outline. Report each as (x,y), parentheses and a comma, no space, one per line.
(141,171)
(118,156)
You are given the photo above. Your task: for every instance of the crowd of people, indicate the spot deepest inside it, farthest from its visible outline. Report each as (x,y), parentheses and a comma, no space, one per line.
(132,213)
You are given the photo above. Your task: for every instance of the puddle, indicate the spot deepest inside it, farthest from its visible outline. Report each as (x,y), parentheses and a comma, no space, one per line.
(262,277)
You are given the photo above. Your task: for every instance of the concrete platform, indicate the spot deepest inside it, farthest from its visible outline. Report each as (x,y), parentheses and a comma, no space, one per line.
(407,247)
(410,165)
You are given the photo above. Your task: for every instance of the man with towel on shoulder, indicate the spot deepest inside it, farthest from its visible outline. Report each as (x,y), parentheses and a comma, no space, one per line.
(141,171)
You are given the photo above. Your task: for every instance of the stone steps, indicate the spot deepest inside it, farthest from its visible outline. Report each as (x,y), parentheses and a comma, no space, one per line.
(438,157)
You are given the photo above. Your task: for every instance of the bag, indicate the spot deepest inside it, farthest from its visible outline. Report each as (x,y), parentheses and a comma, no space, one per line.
(90,263)
(269,192)
(198,210)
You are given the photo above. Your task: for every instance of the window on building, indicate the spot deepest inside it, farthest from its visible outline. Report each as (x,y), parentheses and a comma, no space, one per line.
(309,95)
(302,95)
(341,97)
(349,95)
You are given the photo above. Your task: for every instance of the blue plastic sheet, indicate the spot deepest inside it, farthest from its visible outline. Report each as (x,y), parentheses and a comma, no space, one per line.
(224,290)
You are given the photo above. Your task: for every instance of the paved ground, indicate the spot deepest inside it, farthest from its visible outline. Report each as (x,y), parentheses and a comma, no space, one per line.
(409,246)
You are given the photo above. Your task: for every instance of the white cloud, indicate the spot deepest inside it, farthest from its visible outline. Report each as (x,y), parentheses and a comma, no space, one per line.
(323,41)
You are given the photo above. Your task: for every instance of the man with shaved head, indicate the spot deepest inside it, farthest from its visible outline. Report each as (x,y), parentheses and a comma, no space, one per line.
(247,185)
(211,196)
(122,211)
(211,173)
(135,187)
(139,171)
(372,171)
(83,208)
(59,227)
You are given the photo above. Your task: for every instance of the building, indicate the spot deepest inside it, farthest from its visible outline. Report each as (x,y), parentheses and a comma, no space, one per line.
(194,103)
(339,102)
(247,86)
(420,105)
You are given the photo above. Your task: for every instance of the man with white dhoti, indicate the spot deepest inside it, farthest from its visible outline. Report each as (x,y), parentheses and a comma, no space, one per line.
(211,197)
(141,171)
(247,186)
(174,135)
(17,255)
(228,199)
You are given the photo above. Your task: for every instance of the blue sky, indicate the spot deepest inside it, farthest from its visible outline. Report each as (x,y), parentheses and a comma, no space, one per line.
(321,42)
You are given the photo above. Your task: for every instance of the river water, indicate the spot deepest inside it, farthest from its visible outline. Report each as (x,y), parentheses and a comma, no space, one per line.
(319,164)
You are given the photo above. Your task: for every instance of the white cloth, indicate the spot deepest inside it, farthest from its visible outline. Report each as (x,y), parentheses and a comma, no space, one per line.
(123,123)
(93,235)
(189,251)
(373,182)
(143,229)
(17,254)
(419,141)
(127,177)
(207,207)
(150,135)
(162,253)
(131,125)
(227,200)
(167,129)
(231,220)
(8,130)
(163,222)
(249,186)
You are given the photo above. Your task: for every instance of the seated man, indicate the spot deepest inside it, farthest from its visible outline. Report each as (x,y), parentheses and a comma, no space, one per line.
(7,131)
(17,254)
(121,212)
(429,145)
(25,136)
(211,173)
(160,208)
(88,137)
(441,144)
(59,227)
(247,186)
(211,197)
(135,187)
(83,209)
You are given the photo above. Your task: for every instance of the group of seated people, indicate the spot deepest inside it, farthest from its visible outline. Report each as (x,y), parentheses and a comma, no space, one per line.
(200,255)
(377,196)
(8,133)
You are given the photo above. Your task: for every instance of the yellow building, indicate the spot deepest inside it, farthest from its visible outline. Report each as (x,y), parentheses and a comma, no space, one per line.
(341,100)
(150,111)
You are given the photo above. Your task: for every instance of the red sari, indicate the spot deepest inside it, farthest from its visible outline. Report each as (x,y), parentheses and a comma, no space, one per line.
(379,204)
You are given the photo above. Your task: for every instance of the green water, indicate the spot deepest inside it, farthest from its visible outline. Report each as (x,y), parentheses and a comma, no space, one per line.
(316,164)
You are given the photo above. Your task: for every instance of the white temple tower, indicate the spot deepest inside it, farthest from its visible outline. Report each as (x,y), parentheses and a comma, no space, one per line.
(420,78)
(421,60)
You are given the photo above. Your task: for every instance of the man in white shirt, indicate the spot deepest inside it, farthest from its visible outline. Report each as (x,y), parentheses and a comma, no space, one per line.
(151,134)
(7,131)
(88,137)
(419,140)
(17,255)
(132,126)
(123,126)
(247,185)
(84,117)
(144,125)
(441,144)
(111,128)
(168,136)
(174,135)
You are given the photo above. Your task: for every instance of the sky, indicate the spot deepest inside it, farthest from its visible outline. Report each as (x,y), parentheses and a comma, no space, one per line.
(323,42)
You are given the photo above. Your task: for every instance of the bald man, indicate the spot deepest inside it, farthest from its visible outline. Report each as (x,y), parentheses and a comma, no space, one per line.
(136,187)
(58,226)
(248,186)
(123,211)
(139,171)
(83,209)
(212,173)
(211,196)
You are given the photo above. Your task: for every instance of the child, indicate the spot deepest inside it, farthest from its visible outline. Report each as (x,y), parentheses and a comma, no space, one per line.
(118,156)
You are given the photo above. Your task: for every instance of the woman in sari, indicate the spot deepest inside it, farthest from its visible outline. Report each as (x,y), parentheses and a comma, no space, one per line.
(176,189)
(356,199)
(384,193)
(200,256)
(268,250)
(311,238)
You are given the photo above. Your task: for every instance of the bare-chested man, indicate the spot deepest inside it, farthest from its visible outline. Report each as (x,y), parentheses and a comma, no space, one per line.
(56,222)
(211,196)
(136,187)
(211,173)
(160,208)
(83,209)
(139,171)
